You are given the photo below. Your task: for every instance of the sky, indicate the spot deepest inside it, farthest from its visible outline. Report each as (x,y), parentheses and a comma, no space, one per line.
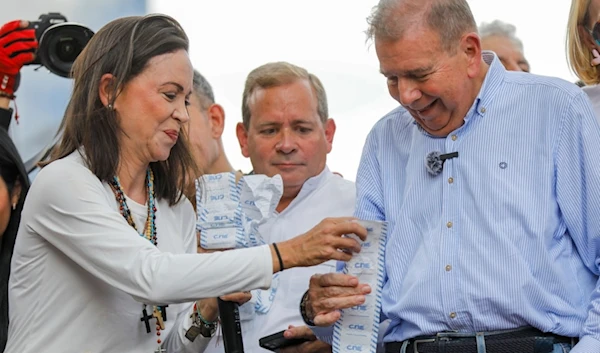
(230,38)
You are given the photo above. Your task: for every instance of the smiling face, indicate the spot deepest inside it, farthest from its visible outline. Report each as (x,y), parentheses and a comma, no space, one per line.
(286,135)
(152,107)
(436,87)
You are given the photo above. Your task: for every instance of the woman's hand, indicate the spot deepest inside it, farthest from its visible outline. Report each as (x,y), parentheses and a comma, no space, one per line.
(209,308)
(596,59)
(322,243)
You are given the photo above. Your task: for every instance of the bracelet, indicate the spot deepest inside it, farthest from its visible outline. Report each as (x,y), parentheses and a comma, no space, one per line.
(303,313)
(204,328)
(281,268)
(6,95)
(204,321)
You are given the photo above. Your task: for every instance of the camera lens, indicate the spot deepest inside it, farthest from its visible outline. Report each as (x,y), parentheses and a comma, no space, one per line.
(67,49)
(61,44)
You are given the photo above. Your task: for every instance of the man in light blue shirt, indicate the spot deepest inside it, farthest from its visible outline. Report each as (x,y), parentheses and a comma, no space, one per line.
(506,235)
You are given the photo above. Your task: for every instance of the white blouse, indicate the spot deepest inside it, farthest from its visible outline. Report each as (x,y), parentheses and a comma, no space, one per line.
(80,273)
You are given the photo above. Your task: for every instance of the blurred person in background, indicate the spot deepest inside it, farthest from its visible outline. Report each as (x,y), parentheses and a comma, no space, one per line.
(500,38)
(14,185)
(207,122)
(17,47)
(583,47)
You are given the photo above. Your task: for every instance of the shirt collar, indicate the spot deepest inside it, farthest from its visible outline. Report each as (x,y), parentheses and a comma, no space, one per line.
(313,182)
(310,185)
(493,78)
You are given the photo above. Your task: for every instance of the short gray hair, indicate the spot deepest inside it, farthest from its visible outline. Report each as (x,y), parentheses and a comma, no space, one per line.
(502,29)
(451,19)
(203,90)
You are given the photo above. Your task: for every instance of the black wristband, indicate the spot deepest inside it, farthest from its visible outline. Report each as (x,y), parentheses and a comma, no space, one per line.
(303,313)
(281,268)
(6,95)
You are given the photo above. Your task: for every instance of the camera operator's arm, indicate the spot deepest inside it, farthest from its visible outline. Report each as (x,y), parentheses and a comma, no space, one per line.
(4,103)
(17,47)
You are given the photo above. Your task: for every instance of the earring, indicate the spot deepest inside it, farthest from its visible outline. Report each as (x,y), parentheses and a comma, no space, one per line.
(14,206)
(109,107)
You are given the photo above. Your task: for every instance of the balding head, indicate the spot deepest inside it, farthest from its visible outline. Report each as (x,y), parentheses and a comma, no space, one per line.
(451,19)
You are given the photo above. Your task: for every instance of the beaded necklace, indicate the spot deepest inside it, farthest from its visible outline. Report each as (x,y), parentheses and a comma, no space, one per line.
(150,227)
(159,313)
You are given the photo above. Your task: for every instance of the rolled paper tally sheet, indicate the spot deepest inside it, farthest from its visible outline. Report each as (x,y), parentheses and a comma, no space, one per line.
(357,330)
(229,212)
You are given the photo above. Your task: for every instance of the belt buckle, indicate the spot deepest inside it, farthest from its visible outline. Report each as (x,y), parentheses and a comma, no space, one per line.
(426,340)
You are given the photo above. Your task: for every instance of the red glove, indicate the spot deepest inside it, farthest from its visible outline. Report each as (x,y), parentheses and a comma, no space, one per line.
(17,47)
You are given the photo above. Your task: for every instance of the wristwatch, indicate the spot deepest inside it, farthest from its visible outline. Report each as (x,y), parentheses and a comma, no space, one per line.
(303,312)
(201,327)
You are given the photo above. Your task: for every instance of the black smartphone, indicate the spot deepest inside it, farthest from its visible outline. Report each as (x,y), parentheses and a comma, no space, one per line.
(277,341)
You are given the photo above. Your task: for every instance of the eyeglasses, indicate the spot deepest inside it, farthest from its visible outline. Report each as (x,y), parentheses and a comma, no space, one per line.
(595,32)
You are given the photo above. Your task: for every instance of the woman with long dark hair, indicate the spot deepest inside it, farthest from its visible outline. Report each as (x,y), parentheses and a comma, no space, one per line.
(17,46)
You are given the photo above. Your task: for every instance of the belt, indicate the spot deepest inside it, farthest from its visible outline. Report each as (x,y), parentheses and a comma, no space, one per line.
(522,340)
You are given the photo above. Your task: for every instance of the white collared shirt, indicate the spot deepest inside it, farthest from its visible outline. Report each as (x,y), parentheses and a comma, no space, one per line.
(325,195)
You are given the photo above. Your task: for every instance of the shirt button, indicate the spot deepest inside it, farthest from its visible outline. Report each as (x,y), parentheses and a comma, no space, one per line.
(454,137)
(482,110)
(450,180)
(449,224)
(452,315)
(448,268)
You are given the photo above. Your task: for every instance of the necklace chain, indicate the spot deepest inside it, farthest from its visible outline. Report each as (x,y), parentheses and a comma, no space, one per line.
(149,231)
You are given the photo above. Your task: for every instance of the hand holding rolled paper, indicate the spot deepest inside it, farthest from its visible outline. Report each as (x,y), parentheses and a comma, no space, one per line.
(322,243)
(331,292)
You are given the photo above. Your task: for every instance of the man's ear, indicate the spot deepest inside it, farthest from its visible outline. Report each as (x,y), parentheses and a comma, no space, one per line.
(242,136)
(106,89)
(329,133)
(470,47)
(216,116)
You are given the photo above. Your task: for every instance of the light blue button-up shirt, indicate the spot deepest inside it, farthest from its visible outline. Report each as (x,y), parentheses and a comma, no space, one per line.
(508,234)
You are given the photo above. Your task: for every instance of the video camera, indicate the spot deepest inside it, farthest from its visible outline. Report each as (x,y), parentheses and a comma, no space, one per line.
(60,42)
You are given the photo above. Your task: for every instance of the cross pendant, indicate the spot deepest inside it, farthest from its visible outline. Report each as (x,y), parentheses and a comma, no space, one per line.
(160,350)
(159,318)
(146,318)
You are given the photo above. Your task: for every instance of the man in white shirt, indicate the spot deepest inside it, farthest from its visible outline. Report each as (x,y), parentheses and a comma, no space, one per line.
(286,130)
